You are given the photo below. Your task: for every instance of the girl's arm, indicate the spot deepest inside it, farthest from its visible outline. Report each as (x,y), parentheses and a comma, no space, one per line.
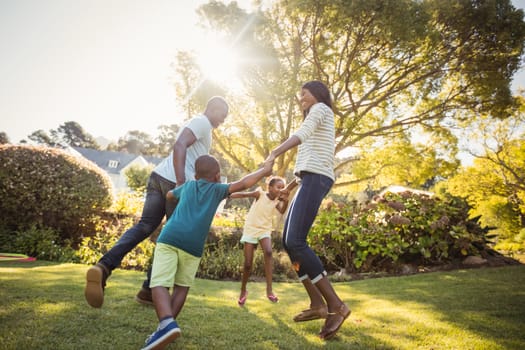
(282,205)
(291,185)
(284,194)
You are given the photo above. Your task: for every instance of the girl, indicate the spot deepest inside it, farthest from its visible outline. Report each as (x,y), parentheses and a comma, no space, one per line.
(258,229)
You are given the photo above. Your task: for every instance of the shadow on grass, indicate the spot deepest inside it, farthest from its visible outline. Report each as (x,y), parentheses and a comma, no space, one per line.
(42,306)
(483,303)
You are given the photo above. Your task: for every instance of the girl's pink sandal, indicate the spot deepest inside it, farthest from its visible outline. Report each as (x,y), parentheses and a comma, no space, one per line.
(273,298)
(242,300)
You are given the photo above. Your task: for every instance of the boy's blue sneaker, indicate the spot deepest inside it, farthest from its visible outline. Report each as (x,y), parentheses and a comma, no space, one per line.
(160,338)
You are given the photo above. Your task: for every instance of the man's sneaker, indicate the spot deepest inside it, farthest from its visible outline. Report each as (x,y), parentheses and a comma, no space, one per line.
(160,338)
(144,296)
(96,277)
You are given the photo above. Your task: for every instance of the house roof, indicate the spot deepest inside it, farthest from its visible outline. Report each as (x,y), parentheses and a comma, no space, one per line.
(113,162)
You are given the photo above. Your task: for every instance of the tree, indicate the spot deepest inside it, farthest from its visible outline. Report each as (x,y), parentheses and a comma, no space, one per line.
(166,139)
(42,138)
(484,188)
(396,69)
(72,134)
(135,142)
(4,138)
(137,177)
(495,183)
(192,88)
(68,134)
(399,162)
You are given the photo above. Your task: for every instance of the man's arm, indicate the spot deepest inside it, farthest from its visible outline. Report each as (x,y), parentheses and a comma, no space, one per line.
(185,140)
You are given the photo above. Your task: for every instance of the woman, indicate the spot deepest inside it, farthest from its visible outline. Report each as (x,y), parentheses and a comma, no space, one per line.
(314,170)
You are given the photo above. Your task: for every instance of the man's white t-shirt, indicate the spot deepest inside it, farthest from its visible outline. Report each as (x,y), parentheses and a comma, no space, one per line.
(201,128)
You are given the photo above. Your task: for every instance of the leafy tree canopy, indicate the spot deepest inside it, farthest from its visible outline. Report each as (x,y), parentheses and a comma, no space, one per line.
(495,183)
(68,134)
(396,70)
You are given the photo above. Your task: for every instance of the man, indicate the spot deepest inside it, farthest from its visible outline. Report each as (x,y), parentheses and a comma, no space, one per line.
(193,140)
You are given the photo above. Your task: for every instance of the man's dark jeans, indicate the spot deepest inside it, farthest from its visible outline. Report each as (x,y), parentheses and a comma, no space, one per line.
(155,208)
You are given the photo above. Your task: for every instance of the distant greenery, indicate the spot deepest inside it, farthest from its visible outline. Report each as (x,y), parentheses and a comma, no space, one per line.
(494,185)
(137,177)
(70,133)
(382,236)
(42,306)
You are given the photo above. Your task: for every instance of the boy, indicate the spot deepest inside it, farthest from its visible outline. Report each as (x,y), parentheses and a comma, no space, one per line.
(181,242)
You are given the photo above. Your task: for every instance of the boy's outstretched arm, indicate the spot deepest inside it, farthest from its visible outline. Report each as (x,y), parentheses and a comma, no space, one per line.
(248,194)
(251,179)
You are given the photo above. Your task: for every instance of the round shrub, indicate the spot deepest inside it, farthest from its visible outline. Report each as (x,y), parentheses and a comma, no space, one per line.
(48,187)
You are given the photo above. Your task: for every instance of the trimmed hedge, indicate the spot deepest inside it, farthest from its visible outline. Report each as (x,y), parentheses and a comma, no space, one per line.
(48,187)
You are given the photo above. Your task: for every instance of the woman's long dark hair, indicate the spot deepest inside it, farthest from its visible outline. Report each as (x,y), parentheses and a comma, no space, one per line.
(320,91)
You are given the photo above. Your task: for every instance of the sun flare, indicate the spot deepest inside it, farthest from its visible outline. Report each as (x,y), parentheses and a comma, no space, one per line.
(219,63)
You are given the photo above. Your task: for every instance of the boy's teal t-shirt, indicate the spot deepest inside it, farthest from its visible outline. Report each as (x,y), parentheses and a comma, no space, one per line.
(189,225)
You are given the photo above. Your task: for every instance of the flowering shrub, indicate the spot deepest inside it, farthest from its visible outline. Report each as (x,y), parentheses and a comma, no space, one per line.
(395,229)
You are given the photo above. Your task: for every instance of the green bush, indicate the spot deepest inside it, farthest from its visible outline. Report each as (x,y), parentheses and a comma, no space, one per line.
(223,257)
(40,243)
(221,261)
(396,229)
(47,187)
(137,177)
(124,213)
(107,234)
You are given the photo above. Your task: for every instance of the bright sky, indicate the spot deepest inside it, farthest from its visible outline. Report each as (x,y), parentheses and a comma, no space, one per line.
(102,63)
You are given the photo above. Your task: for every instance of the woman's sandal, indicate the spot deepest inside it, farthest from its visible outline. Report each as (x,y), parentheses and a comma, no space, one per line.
(242,299)
(333,322)
(273,298)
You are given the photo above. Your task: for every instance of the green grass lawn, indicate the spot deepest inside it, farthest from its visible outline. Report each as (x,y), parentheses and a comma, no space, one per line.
(42,306)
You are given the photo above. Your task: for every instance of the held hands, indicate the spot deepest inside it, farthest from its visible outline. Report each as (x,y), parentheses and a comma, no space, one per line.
(267,167)
(283,195)
(285,192)
(270,158)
